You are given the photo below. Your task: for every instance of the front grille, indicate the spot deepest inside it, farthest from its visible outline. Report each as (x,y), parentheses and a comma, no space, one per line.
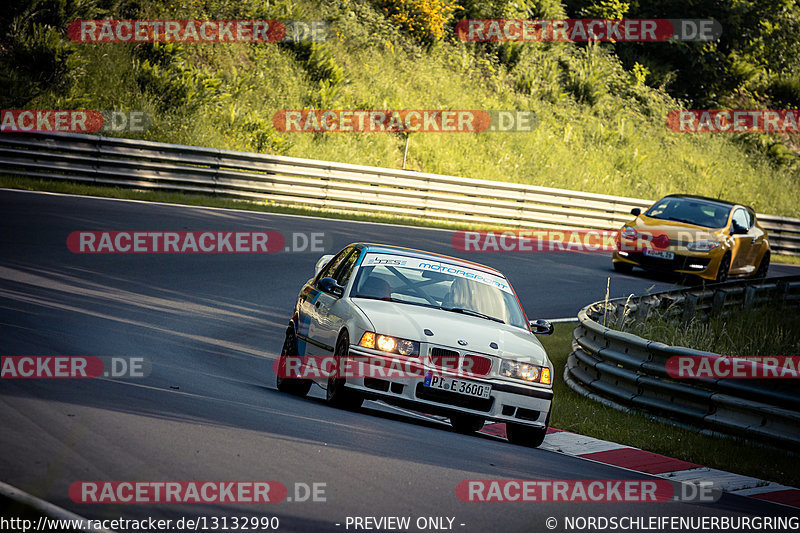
(443,352)
(444,358)
(451,360)
(476,365)
(450,398)
(679,262)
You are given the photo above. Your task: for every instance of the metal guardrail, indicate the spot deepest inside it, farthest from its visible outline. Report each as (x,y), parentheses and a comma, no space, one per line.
(327,185)
(628,372)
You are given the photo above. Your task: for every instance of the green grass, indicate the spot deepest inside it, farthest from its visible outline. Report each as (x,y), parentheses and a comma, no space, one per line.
(573,412)
(600,130)
(787,259)
(766,331)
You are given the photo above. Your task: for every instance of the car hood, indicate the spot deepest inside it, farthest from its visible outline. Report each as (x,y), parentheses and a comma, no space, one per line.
(409,322)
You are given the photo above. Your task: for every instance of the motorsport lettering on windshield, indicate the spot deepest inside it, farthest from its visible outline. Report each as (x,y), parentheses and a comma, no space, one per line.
(419,264)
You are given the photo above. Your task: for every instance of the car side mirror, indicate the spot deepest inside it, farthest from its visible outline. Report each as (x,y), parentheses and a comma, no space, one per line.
(636,211)
(321,262)
(541,327)
(330,286)
(736,229)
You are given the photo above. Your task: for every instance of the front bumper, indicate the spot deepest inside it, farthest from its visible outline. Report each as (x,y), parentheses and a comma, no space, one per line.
(701,264)
(509,401)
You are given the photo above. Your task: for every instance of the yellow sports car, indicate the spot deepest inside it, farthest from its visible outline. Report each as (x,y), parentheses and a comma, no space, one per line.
(709,238)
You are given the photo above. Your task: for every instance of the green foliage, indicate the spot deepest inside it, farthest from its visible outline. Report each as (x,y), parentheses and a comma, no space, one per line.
(257,133)
(601,124)
(640,73)
(322,66)
(168,76)
(586,79)
(605,9)
(323,70)
(425,20)
(35,54)
(784,92)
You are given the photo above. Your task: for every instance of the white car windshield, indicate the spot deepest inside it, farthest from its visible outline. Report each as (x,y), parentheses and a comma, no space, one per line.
(445,286)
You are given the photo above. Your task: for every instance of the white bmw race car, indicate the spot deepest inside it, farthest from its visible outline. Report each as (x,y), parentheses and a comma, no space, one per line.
(439,334)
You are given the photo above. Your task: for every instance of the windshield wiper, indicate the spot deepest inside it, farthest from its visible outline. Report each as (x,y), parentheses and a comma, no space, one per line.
(471,313)
(382,299)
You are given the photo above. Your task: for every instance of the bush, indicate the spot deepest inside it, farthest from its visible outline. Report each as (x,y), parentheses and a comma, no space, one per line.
(164,72)
(425,20)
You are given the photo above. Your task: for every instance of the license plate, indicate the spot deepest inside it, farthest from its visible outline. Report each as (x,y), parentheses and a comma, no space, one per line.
(661,254)
(458,386)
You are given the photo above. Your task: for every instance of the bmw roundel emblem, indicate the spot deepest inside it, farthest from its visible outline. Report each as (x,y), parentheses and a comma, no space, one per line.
(462,342)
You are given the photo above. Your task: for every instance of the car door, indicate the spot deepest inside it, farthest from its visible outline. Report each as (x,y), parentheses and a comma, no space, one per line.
(308,320)
(331,311)
(745,244)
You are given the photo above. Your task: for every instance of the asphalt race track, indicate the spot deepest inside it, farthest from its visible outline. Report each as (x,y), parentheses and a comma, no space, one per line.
(211,325)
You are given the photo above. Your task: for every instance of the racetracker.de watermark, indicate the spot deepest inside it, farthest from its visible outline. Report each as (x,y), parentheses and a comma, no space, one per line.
(585,490)
(196,242)
(73,367)
(734,121)
(188,492)
(403,121)
(380,367)
(724,367)
(527,241)
(177,492)
(197,31)
(72,120)
(584,30)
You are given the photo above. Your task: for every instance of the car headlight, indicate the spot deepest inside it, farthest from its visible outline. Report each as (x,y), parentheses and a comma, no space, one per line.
(627,232)
(387,343)
(702,246)
(525,371)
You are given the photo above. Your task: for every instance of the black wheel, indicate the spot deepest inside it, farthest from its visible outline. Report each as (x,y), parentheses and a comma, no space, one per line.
(724,268)
(466,424)
(298,387)
(526,435)
(763,266)
(337,394)
(624,268)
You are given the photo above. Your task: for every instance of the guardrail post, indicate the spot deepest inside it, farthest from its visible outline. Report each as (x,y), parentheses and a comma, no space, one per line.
(718,302)
(689,306)
(749,296)
(215,166)
(783,291)
(98,146)
(642,309)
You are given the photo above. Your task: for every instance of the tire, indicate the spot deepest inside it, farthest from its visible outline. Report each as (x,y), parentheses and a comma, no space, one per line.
(298,387)
(337,394)
(623,268)
(763,266)
(724,268)
(466,424)
(526,435)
